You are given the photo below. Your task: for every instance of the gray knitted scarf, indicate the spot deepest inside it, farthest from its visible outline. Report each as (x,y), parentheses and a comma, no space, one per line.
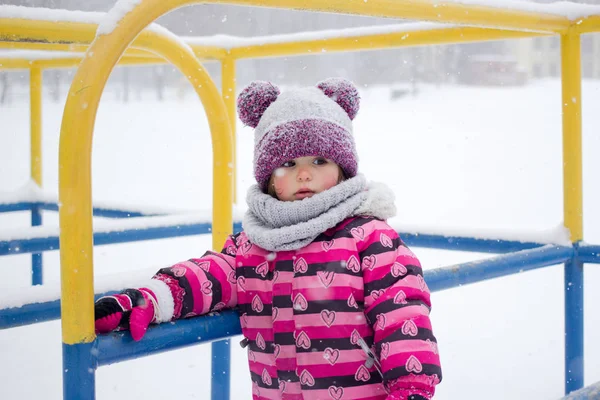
(278,225)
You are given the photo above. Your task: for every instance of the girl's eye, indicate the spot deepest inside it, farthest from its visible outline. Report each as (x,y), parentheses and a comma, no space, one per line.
(320,161)
(288,164)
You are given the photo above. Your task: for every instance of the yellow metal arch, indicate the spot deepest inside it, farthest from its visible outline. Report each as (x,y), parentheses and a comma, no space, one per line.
(75,169)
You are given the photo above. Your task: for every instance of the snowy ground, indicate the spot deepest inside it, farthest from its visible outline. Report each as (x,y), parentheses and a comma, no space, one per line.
(472,158)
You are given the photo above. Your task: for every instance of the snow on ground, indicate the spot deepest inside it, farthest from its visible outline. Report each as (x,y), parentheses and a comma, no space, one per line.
(467,157)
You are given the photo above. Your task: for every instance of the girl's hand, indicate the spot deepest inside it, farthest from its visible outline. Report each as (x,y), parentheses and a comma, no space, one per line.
(132,309)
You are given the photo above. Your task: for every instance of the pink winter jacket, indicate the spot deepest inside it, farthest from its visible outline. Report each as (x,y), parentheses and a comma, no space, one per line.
(346,317)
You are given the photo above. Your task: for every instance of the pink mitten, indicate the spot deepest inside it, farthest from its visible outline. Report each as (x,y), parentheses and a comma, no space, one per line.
(132,309)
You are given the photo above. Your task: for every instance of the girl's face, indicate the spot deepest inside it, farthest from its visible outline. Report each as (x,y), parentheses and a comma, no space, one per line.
(304,177)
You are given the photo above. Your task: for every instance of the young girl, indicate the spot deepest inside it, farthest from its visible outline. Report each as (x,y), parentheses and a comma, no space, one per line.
(332,303)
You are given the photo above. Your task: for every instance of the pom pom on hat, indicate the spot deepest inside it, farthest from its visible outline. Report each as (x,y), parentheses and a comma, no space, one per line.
(254,100)
(343,92)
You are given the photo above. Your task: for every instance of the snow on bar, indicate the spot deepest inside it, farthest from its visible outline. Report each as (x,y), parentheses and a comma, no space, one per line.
(229,42)
(18,297)
(105,20)
(116,14)
(571,11)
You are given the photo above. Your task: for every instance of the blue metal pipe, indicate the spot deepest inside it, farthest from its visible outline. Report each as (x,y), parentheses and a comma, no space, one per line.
(119,346)
(97,211)
(37,272)
(221,366)
(34,313)
(107,212)
(33,245)
(11,207)
(574,318)
(588,253)
(461,243)
(476,271)
(79,371)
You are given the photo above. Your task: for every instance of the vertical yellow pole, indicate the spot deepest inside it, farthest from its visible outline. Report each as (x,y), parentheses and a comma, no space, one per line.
(571,106)
(228,93)
(573,208)
(35,99)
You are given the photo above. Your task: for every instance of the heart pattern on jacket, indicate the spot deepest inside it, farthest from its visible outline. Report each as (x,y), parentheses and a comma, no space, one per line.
(262,269)
(409,328)
(331,355)
(266,378)
(257,304)
(352,301)
(386,241)
(303,341)
(335,392)
(300,302)
(358,233)
(327,245)
(300,266)
(398,270)
(353,265)
(369,262)
(306,378)
(328,317)
(413,365)
(362,374)
(326,277)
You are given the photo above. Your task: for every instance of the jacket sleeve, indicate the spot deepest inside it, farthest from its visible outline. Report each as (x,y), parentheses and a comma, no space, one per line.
(397,305)
(197,286)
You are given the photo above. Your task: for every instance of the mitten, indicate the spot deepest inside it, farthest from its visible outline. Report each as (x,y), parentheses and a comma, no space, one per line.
(132,309)
(401,396)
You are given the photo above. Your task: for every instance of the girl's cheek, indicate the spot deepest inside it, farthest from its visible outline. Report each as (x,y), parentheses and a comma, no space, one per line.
(280,181)
(332,180)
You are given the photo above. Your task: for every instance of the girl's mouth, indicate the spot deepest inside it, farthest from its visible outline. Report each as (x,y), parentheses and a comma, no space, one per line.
(303,193)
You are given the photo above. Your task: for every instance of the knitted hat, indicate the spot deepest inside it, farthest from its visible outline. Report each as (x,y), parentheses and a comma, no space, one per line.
(311,121)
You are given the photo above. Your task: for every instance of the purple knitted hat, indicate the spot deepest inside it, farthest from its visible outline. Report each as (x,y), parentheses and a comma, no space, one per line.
(312,121)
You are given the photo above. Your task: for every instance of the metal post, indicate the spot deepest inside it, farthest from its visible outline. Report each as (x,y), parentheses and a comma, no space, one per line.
(573,206)
(79,371)
(35,110)
(221,365)
(574,344)
(228,93)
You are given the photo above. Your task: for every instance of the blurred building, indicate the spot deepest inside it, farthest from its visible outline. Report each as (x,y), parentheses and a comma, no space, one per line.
(541,56)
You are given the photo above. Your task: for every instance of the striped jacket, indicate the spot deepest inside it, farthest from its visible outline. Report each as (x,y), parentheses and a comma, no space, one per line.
(346,317)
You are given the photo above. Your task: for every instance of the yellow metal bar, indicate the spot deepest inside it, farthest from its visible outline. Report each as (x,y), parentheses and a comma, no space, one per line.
(14,63)
(35,113)
(378,41)
(24,30)
(229,98)
(75,48)
(77,308)
(70,62)
(209,52)
(571,107)
(74,62)
(587,25)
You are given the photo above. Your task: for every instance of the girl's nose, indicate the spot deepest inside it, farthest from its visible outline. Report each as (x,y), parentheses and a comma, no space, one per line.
(303,175)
